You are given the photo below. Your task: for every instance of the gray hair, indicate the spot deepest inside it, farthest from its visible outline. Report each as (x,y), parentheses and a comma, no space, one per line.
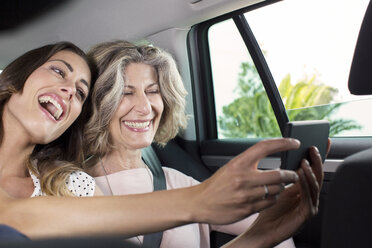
(112,58)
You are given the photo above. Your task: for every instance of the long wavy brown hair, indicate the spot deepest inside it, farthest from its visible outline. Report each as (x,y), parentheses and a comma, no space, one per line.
(55,161)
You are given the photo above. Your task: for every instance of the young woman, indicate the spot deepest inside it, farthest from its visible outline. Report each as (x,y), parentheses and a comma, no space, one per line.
(139,98)
(42,94)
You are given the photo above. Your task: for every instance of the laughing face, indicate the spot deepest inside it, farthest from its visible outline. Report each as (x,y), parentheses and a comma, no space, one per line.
(51,99)
(137,118)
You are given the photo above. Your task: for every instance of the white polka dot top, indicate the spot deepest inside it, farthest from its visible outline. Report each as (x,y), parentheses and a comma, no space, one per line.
(79,183)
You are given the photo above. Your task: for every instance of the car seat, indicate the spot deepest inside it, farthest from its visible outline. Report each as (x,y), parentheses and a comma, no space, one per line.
(347,220)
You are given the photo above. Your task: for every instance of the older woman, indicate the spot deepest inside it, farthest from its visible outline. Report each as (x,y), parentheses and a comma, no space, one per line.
(139,98)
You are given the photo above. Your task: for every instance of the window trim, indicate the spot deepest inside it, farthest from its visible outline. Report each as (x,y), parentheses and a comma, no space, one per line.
(263,70)
(201,74)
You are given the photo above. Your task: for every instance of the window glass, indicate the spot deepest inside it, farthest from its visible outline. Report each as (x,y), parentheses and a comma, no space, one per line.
(308,45)
(242,107)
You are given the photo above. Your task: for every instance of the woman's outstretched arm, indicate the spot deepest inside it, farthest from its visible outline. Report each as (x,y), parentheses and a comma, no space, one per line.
(232,193)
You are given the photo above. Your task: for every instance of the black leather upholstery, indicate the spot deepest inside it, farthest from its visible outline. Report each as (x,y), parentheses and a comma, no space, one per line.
(173,156)
(347,221)
(348,215)
(360,77)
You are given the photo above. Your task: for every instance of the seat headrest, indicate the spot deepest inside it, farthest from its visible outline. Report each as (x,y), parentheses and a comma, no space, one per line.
(360,77)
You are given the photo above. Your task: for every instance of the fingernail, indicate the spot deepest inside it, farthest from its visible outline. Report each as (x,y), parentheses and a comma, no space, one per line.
(296,140)
(306,162)
(316,149)
(296,178)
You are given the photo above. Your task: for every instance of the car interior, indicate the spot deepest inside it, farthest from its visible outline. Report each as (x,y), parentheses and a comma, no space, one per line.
(239,60)
(351,184)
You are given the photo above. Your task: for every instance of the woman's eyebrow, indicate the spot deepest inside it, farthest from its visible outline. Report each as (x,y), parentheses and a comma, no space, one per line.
(150,85)
(133,87)
(67,64)
(84,82)
(71,69)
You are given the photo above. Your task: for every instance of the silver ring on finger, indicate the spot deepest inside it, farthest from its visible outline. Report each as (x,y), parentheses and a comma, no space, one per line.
(266,192)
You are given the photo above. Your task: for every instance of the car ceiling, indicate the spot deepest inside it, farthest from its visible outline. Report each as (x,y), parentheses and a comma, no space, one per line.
(26,24)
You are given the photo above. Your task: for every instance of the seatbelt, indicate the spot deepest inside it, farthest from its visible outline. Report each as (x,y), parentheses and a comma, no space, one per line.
(151,160)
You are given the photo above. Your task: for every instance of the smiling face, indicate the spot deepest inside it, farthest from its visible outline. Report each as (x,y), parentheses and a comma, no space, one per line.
(137,118)
(52,97)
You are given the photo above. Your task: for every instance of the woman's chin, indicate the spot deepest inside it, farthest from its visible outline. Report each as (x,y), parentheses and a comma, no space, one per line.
(143,144)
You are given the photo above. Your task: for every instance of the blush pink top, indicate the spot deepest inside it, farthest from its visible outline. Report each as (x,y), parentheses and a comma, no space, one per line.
(136,181)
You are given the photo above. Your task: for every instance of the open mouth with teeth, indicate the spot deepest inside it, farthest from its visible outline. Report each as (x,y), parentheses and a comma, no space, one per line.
(52,106)
(137,125)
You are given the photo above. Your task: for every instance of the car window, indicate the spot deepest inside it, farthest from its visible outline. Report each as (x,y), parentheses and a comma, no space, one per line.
(242,106)
(308,46)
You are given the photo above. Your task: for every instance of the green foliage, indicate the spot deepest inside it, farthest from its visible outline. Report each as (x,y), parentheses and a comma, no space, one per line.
(251,115)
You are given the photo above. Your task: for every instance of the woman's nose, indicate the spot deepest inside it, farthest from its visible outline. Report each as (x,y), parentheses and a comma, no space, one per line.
(143,104)
(68,91)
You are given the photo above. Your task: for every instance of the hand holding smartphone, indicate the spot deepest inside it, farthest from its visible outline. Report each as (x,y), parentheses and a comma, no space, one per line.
(309,133)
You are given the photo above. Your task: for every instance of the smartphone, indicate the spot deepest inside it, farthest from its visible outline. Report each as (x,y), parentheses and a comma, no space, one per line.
(309,133)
